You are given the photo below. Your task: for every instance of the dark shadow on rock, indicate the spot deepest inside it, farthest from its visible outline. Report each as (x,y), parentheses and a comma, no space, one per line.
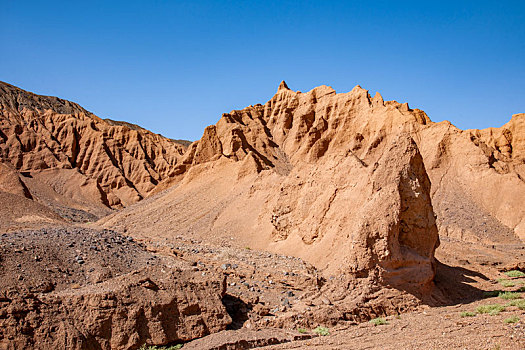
(452,286)
(237,309)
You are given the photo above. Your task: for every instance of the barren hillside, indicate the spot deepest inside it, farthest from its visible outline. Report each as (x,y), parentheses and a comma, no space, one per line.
(75,163)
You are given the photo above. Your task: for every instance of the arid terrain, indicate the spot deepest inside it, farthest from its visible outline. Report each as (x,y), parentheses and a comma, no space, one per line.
(318,220)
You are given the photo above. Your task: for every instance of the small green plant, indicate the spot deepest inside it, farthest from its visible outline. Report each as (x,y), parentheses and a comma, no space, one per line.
(515,273)
(490,309)
(520,304)
(509,295)
(378,321)
(321,331)
(247,248)
(505,283)
(154,347)
(302,330)
(512,319)
(468,314)
(491,293)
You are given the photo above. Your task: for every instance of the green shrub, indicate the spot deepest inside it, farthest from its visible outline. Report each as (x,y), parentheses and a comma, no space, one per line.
(378,321)
(490,309)
(515,273)
(518,303)
(302,330)
(505,283)
(509,295)
(512,319)
(154,347)
(321,331)
(468,314)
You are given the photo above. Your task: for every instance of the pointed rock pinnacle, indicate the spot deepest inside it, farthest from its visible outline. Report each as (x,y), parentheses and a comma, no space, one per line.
(282,86)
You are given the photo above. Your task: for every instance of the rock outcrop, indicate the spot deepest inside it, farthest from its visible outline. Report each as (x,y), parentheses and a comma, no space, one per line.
(355,186)
(335,179)
(343,181)
(479,171)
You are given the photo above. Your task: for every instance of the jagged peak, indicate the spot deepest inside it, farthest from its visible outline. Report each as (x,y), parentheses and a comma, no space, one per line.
(378,97)
(283,86)
(358,89)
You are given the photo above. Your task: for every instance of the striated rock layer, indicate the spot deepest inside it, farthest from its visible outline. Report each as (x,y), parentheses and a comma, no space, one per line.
(72,158)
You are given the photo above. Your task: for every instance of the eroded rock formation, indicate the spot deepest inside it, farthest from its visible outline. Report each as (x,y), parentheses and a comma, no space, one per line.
(335,179)
(97,163)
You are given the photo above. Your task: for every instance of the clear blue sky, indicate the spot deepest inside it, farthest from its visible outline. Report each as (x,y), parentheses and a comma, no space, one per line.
(175,66)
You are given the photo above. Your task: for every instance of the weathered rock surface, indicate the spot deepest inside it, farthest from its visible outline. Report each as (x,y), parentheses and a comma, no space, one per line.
(334,179)
(86,289)
(95,163)
(478,180)
(343,181)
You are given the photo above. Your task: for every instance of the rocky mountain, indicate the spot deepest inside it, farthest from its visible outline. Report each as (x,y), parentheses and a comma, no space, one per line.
(69,160)
(316,208)
(298,171)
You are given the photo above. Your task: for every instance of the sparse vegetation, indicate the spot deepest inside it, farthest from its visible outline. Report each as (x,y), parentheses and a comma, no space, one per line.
(515,273)
(302,330)
(518,303)
(509,295)
(154,347)
(468,314)
(378,321)
(512,319)
(490,309)
(321,331)
(506,283)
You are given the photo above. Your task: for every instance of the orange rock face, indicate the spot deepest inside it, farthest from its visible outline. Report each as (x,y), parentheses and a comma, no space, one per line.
(99,163)
(343,181)
(335,179)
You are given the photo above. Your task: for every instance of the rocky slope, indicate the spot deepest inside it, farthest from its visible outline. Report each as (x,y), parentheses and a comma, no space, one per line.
(62,156)
(71,288)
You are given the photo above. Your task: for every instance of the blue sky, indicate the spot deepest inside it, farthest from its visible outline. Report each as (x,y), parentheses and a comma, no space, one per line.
(176,66)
